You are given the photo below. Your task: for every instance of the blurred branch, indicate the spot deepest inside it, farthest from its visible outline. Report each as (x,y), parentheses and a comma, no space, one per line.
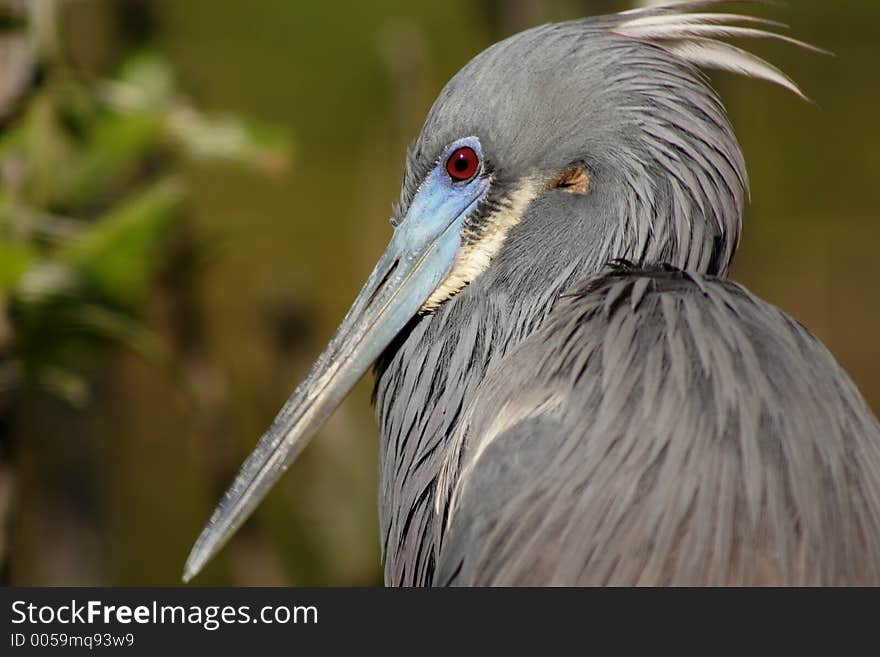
(43,16)
(16,54)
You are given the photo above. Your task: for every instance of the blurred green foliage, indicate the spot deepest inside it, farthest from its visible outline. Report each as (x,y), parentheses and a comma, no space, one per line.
(91,205)
(89,202)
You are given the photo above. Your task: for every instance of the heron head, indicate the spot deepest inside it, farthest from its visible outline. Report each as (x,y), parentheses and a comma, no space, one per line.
(599,135)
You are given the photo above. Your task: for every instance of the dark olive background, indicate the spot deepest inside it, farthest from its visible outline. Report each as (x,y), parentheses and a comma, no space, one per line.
(117,493)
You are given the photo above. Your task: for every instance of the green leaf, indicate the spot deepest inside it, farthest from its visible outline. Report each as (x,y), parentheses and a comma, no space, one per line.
(119,254)
(116,327)
(47,281)
(14,262)
(116,146)
(145,82)
(12,137)
(63,383)
(231,139)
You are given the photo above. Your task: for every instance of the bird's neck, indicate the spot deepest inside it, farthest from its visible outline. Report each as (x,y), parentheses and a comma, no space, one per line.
(424,384)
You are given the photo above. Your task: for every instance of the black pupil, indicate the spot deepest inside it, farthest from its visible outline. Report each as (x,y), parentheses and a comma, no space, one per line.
(461,164)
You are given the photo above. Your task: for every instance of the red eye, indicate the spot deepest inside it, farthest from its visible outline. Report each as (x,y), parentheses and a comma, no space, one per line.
(462,164)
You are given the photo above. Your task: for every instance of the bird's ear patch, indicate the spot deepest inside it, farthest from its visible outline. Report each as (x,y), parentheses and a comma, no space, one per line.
(575,180)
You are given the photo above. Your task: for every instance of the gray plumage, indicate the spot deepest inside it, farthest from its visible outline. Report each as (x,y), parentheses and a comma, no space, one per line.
(663,428)
(547,426)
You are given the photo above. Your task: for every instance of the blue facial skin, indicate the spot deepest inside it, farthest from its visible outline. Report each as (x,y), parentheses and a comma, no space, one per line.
(428,239)
(420,256)
(424,247)
(439,204)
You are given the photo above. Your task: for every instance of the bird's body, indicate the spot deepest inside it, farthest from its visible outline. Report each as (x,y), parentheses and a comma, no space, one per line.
(546,419)
(658,428)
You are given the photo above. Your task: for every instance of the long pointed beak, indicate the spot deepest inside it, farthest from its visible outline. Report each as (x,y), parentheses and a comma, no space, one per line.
(419,257)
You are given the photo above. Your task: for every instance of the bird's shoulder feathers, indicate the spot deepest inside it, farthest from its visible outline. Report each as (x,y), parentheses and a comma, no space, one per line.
(663,428)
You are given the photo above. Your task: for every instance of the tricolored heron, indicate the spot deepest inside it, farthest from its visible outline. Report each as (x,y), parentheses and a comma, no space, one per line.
(568,390)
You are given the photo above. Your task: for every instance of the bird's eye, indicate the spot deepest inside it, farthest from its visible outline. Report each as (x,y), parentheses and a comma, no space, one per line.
(462,165)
